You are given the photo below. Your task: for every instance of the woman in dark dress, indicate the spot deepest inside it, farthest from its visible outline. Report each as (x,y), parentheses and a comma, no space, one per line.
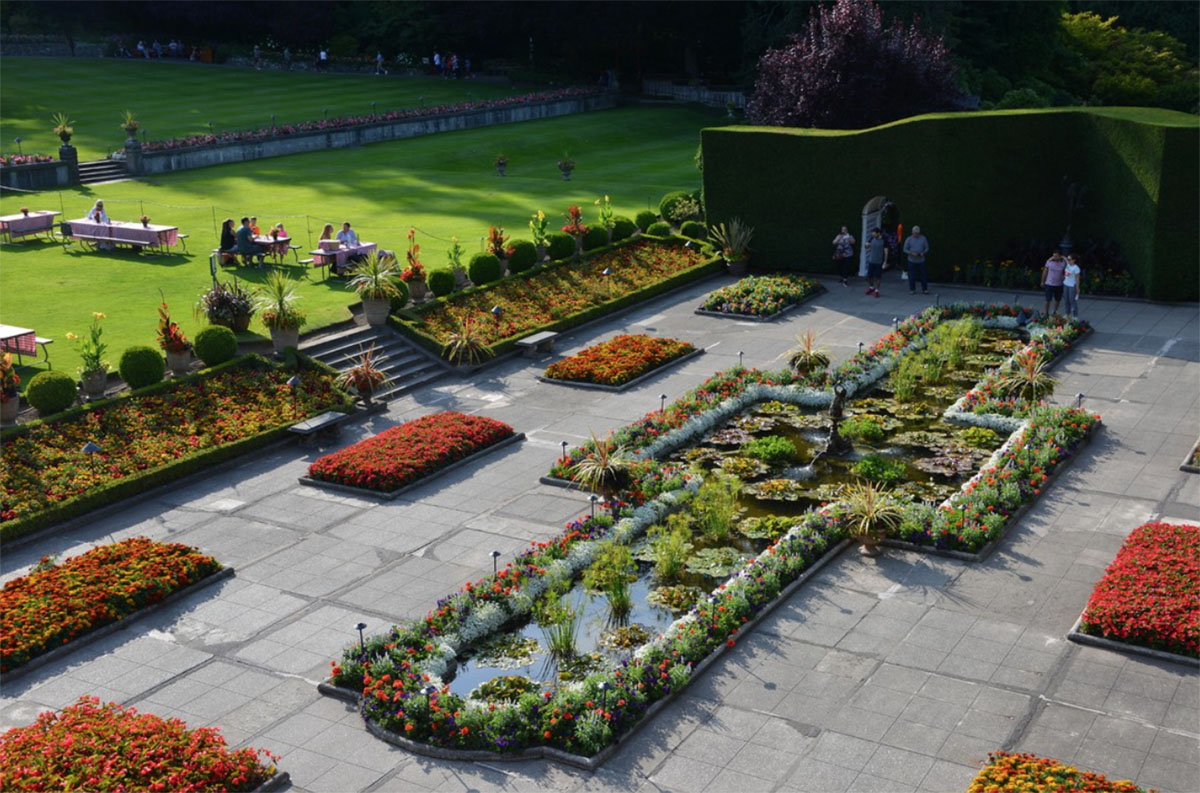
(228,241)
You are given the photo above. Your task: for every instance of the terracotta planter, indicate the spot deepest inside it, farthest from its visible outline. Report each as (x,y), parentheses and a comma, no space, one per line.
(376,309)
(417,290)
(240,323)
(9,409)
(283,338)
(179,362)
(736,266)
(94,383)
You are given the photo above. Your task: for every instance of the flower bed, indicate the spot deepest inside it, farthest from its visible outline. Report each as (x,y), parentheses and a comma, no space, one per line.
(558,296)
(759,295)
(74,750)
(54,604)
(400,455)
(1007,772)
(24,159)
(619,360)
(1150,594)
(154,435)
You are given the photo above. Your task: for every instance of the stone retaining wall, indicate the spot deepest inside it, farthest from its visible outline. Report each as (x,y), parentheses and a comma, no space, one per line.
(37,175)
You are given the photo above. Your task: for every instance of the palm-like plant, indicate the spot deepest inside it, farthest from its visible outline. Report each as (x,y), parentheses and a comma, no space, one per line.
(130,123)
(733,240)
(377,278)
(62,127)
(806,357)
(276,302)
(467,344)
(364,377)
(604,470)
(871,512)
(1027,379)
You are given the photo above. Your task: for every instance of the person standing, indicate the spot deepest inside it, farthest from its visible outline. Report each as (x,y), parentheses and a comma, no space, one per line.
(287,59)
(379,63)
(322,60)
(1072,282)
(876,249)
(916,247)
(257,58)
(1052,280)
(843,254)
(437,62)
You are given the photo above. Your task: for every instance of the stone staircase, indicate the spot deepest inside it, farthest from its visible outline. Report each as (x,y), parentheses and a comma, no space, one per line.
(406,365)
(102,171)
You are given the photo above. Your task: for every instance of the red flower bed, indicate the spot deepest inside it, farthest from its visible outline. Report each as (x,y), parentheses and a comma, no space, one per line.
(404,454)
(89,746)
(1028,773)
(619,360)
(1150,594)
(53,604)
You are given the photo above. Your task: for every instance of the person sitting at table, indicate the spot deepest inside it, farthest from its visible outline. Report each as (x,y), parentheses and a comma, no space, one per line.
(347,235)
(279,231)
(254,226)
(246,246)
(97,212)
(228,247)
(327,232)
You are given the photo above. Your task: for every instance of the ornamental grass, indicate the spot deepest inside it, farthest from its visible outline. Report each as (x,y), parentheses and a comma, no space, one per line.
(404,454)
(1027,773)
(1150,594)
(619,360)
(54,604)
(94,747)
(759,295)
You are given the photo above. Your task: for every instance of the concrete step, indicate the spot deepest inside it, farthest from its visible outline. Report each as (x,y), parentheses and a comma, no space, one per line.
(405,365)
(102,171)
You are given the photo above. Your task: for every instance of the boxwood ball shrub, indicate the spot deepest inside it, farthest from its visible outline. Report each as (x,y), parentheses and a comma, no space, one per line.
(623,228)
(693,229)
(441,282)
(560,245)
(401,298)
(645,218)
(142,366)
(484,268)
(523,256)
(668,202)
(215,344)
(51,392)
(659,229)
(597,237)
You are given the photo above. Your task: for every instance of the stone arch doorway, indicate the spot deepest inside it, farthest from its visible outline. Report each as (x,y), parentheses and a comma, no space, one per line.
(880,212)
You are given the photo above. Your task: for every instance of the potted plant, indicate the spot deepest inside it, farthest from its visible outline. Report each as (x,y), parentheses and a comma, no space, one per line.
(227,304)
(805,357)
(93,369)
(1027,379)
(501,164)
(734,243)
(145,221)
(25,211)
(607,219)
(537,229)
(604,471)
(454,257)
(276,303)
(376,282)
(566,165)
(63,127)
(131,126)
(496,246)
(10,401)
(575,227)
(870,511)
(466,344)
(364,378)
(414,273)
(173,342)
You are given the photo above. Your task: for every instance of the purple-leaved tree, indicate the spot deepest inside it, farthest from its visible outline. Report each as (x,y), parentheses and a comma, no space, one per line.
(848,71)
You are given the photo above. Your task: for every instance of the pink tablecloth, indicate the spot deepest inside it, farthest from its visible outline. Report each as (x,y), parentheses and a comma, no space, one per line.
(275,247)
(342,255)
(22,341)
(162,236)
(38,220)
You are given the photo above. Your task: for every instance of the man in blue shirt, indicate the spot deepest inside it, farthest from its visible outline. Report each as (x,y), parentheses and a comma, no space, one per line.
(915,249)
(246,246)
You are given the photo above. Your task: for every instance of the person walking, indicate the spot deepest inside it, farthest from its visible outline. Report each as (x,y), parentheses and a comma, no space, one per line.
(1072,281)
(843,254)
(379,63)
(287,59)
(257,58)
(1052,280)
(916,247)
(876,249)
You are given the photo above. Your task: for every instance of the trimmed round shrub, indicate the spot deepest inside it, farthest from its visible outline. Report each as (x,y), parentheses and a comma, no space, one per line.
(215,344)
(484,268)
(645,218)
(560,245)
(659,229)
(522,257)
(694,229)
(597,237)
(142,366)
(667,205)
(51,392)
(401,298)
(623,228)
(441,282)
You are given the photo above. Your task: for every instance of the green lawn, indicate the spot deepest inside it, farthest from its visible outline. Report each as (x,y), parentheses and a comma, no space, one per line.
(180,98)
(444,185)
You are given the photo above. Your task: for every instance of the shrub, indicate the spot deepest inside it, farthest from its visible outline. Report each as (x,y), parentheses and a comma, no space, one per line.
(597,237)
(142,366)
(401,297)
(668,206)
(484,268)
(659,229)
(51,392)
(862,429)
(623,228)
(693,229)
(522,254)
(441,282)
(878,468)
(645,218)
(772,448)
(215,344)
(560,245)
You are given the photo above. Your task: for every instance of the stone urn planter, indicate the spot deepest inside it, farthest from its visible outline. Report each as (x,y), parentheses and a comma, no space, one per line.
(417,291)
(566,173)
(736,266)
(375,310)
(501,168)
(283,338)
(94,383)
(9,409)
(460,278)
(179,362)
(240,323)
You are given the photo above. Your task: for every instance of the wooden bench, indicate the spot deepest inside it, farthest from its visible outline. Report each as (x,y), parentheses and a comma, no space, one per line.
(328,422)
(537,343)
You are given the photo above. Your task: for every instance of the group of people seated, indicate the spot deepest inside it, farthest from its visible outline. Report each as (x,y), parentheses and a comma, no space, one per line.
(242,242)
(348,238)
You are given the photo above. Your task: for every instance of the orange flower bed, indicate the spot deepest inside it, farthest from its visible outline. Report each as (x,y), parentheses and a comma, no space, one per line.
(618,360)
(1028,773)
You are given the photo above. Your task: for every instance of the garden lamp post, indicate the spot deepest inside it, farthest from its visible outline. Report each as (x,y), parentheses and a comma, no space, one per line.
(374,111)
(294,383)
(860,346)
(143,137)
(495,556)
(895,322)
(741,353)
(604,687)
(324,112)
(662,403)
(606,272)
(564,457)
(1079,399)
(18,142)
(593,498)
(272,121)
(210,128)
(496,312)
(91,449)
(362,643)
(937,299)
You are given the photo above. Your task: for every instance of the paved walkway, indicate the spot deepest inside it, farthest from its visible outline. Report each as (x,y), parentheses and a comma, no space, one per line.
(893,675)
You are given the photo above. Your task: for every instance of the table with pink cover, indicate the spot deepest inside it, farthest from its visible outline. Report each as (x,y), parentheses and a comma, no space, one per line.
(22,341)
(276,247)
(121,233)
(332,252)
(22,225)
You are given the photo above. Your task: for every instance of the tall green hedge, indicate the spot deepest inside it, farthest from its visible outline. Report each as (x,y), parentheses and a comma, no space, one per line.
(972,181)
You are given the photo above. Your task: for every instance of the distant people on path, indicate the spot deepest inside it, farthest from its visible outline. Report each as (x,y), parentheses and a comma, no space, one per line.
(287,59)
(173,48)
(843,254)
(158,49)
(437,62)
(379,63)
(195,53)
(1072,282)
(322,60)
(876,249)
(1053,273)
(916,248)
(257,58)
(246,246)
(141,49)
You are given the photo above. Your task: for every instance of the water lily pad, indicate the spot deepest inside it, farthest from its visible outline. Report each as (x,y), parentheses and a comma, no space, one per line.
(766,527)
(978,437)
(984,360)
(966,377)
(580,666)
(701,455)
(625,637)
(948,464)
(807,421)
(644,551)
(501,689)
(752,423)
(922,439)
(508,651)
(926,491)
(946,393)
(744,468)
(676,599)
(716,562)
(730,436)
(885,422)
(778,490)
(774,407)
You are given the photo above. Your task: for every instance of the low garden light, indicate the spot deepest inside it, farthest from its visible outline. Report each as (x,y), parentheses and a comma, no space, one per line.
(325,112)
(272,121)
(593,498)
(937,299)
(860,348)
(662,403)
(495,557)
(362,642)
(91,449)
(496,312)
(294,384)
(741,354)
(1079,399)
(604,687)
(895,322)
(564,447)
(18,142)
(210,128)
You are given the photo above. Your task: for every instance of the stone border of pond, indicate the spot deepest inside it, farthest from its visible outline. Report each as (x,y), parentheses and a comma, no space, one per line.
(634,382)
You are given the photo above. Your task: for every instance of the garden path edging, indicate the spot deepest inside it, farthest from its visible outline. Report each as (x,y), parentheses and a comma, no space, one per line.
(1186,466)
(616,389)
(820,290)
(96,634)
(1079,637)
(393,494)
(275,782)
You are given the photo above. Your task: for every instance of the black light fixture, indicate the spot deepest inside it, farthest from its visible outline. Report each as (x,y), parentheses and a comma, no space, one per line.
(294,383)
(662,403)
(604,687)
(374,111)
(606,271)
(860,348)
(741,353)
(564,445)
(938,299)
(272,121)
(325,112)
(362,643)
(18,142)
(91,449)
(593,498)
(210,128)
(497,311)
(895,322)
(1079,399)
(495,556)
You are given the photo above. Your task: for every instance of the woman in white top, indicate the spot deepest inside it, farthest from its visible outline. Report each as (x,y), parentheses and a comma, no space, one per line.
(1072,276)
(97,212)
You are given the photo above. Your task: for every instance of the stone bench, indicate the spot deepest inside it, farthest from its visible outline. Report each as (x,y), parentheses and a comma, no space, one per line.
(537,343)
(328,422)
